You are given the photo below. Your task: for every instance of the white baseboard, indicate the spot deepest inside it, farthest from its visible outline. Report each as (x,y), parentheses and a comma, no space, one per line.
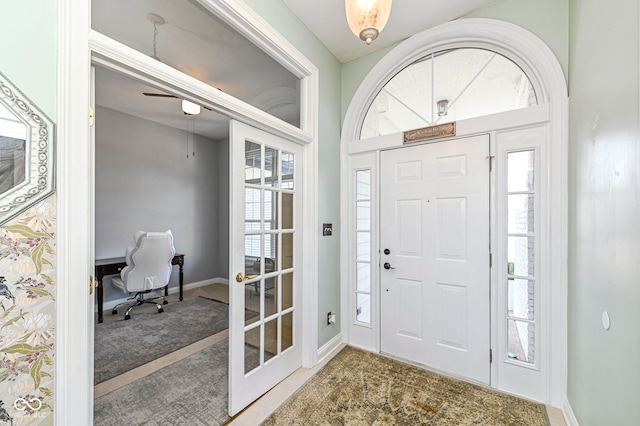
(329,347)
(569,416)
(197,284)
(172,290)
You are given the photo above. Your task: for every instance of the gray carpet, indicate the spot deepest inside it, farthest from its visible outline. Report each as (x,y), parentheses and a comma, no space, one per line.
(190,392)
(122,345)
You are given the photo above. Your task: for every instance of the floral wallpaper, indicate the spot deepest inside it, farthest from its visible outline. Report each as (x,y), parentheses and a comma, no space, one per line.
(27,315)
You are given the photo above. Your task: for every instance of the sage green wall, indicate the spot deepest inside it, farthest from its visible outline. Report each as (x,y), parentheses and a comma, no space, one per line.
(547,19)
(28,35)
(282,19)
(604,238)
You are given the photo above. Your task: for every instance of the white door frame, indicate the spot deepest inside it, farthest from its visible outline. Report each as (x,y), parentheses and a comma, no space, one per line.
(547,78)
(74,304)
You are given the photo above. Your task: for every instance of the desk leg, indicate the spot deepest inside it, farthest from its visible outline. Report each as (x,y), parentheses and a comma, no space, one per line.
(181,281)
(100,298)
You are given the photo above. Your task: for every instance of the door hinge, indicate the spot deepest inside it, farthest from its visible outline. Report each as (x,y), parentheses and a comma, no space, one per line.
(490,356)
(91,116)
(490,260)
(491,157)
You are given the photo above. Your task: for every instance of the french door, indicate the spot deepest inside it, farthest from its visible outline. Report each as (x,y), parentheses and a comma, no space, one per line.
(434,255)
(265,266)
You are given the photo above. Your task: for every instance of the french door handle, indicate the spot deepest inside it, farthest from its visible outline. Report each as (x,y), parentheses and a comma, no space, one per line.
(241,277)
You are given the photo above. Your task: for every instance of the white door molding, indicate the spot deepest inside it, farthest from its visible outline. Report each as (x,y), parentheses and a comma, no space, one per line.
(74,304)
(541,66)
(74,345)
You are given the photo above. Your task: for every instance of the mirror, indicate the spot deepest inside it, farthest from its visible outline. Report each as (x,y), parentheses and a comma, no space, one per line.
(26,152)
(13,136)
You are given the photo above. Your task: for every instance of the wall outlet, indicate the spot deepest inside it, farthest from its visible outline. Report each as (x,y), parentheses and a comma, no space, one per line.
(331,318)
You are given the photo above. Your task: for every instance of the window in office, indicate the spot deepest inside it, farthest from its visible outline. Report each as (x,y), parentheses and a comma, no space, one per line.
(447,86)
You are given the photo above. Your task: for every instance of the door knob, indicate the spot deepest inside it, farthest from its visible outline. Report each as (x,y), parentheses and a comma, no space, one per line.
(387,265)
(240,277)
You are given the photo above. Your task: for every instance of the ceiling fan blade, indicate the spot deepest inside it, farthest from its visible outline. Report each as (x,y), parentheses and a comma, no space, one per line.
(159,95)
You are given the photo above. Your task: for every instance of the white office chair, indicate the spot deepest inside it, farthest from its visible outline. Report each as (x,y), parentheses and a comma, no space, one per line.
(148,269)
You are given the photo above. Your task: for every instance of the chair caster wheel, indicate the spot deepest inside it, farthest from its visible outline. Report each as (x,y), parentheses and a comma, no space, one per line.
(114,312)
(160,310)
(165,302)
(127,317)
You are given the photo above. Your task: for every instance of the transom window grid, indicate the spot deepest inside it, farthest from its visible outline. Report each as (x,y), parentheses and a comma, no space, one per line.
(447,86)
(521,261)
(187,36)
(363,246)
(269,248)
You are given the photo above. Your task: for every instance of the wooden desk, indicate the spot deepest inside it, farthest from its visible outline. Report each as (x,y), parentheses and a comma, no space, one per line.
(113,266)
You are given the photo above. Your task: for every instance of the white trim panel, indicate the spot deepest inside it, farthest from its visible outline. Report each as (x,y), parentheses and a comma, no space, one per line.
(74,314)
(362,335)
(472,126)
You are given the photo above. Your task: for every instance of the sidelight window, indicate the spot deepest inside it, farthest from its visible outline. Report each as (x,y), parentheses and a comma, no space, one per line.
(521,256)
(363,246)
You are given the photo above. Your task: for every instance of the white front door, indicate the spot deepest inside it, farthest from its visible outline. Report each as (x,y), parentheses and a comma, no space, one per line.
(265,267)
(434,259)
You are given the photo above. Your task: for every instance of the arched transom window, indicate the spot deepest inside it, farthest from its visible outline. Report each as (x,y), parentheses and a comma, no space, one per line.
(447,86)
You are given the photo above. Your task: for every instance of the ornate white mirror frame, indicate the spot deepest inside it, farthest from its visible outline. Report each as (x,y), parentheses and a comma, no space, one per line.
(38,159)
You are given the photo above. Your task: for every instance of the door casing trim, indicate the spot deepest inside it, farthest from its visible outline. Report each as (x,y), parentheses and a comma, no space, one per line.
(74,324)
(545,73)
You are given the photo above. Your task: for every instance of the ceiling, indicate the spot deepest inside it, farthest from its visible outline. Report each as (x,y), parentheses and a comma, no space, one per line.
(192,41)
(327,20)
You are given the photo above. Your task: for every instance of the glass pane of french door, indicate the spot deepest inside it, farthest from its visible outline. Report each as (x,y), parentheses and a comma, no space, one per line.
(264,294)
(268,252)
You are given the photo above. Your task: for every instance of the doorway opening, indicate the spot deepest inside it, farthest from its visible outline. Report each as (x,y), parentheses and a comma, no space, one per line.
(157,169)
(260,313)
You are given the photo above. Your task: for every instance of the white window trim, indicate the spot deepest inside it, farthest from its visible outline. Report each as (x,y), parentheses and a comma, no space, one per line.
(547,78)
(360,334)
(74,304)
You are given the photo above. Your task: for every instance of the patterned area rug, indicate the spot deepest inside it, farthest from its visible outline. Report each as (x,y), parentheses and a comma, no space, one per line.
(361,388)
(122,345)
(190,392)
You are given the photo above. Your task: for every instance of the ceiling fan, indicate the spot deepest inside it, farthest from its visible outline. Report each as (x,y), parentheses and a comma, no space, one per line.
(188,107)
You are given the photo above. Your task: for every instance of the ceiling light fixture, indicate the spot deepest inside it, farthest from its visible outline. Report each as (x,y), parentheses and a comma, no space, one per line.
(367,18)
(190,108)
(443,107)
